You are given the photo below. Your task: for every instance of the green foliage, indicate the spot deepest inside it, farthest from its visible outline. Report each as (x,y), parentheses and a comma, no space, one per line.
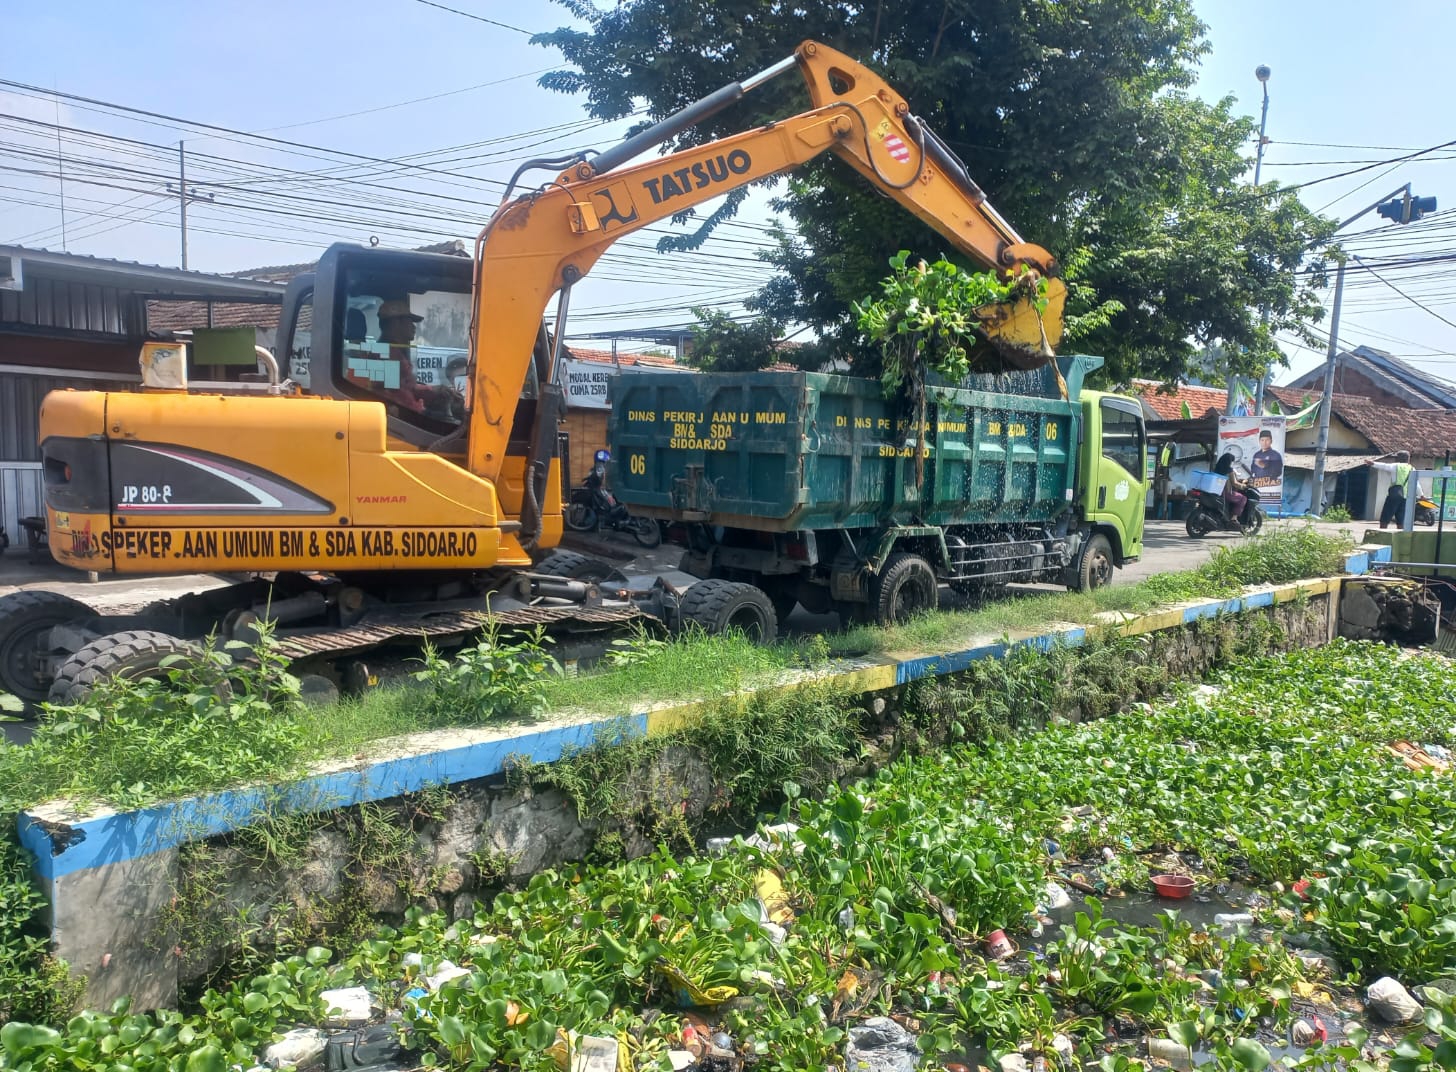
(1338,513)
(501,674)
(894,882)
(1073,116)
(722,344)
(219,717)
(750,746)
(925,320)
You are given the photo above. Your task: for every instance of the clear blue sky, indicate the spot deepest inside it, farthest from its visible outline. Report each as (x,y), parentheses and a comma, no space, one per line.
(1344,73)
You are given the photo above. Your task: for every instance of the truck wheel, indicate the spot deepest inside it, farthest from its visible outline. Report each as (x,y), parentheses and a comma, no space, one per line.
(1094,570)
(719,605)
(574,567)
(905,587)
(24,616)
(135,654)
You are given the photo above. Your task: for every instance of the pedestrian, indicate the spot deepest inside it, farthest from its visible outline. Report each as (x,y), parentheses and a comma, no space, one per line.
(1399,471)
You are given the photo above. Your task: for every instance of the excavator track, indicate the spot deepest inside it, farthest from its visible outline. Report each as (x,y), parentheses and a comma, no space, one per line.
(384,629)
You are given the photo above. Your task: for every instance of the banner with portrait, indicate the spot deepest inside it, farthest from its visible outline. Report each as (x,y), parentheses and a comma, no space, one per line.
(1257,446)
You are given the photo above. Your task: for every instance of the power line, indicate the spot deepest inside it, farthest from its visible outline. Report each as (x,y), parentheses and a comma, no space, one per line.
(477,18)
(1403,294)
(406,103)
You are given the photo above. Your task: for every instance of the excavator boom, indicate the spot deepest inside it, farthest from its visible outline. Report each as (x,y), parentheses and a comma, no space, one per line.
(542,243)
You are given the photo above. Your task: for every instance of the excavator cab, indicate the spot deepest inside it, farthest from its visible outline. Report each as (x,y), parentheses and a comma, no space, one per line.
(389,326)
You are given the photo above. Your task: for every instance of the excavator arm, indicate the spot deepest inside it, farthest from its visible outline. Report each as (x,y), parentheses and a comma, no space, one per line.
(542,243)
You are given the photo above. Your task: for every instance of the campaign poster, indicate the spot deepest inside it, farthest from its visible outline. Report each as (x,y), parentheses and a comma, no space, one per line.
(1257,444)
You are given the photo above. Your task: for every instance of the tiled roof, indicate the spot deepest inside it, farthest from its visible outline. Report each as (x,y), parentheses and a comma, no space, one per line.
(185,315)
(1425,433)
(1168,405)
(1389,373)
(604,357)
(1294,399)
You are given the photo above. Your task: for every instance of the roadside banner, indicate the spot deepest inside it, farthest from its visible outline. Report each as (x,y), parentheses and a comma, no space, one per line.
(1257,444)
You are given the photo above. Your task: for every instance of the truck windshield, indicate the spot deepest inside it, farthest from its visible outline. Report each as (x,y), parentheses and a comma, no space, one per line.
(1122,437)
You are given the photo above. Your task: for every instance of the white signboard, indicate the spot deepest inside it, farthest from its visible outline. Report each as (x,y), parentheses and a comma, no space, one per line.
(585,382)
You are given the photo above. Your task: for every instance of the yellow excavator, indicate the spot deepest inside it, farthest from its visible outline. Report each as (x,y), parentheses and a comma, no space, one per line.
(376,494)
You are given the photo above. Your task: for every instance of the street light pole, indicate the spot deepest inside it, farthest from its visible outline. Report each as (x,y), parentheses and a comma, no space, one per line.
(1262,73)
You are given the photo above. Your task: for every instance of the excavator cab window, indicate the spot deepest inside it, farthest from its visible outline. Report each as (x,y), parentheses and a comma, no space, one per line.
(300,346)
(405,341)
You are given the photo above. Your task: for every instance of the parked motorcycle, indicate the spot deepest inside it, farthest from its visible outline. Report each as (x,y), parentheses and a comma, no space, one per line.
(593,507)
(1214,513)
(1427,513)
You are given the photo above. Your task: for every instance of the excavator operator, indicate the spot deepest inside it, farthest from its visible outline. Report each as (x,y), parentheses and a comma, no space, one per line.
(397,327)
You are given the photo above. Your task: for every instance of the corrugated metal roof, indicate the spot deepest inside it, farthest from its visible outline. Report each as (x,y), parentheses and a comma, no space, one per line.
(133,275)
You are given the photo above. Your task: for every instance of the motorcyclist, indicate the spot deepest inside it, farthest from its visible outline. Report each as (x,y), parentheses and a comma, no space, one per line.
(596,482)
(1236,499)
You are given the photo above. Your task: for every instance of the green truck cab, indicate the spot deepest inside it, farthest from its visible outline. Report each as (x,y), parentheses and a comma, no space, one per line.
(804,485)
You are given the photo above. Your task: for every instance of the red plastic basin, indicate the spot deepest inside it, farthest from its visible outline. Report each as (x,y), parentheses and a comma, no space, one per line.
(1173,885)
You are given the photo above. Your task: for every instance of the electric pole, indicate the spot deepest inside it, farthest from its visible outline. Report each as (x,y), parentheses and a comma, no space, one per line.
(1406,209)
(184,195)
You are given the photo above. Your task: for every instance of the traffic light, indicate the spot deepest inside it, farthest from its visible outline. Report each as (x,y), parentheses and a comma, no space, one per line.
(1406,209)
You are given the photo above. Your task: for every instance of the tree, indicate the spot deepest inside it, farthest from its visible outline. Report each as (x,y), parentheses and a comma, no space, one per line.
(1071,114)
(722,344)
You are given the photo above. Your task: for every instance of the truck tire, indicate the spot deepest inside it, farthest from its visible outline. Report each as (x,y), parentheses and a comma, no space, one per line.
(907,586)
(1094,568)
(23,617)
(718,606)
(136,653)
(574,567)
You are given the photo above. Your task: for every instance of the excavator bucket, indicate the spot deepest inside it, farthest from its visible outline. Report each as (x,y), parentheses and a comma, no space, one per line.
(1018,334)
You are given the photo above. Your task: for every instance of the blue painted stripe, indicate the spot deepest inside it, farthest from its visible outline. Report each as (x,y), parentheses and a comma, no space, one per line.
(934,665)
(113,838)
(1258,599)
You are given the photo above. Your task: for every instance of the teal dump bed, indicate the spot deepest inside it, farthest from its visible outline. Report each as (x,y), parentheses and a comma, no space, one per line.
(783,451)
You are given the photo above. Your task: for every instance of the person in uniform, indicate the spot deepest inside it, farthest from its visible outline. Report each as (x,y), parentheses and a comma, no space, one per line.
(1399,472)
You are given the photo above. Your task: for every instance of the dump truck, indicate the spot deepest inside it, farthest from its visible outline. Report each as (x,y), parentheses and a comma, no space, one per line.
(364,505)
(804,485)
